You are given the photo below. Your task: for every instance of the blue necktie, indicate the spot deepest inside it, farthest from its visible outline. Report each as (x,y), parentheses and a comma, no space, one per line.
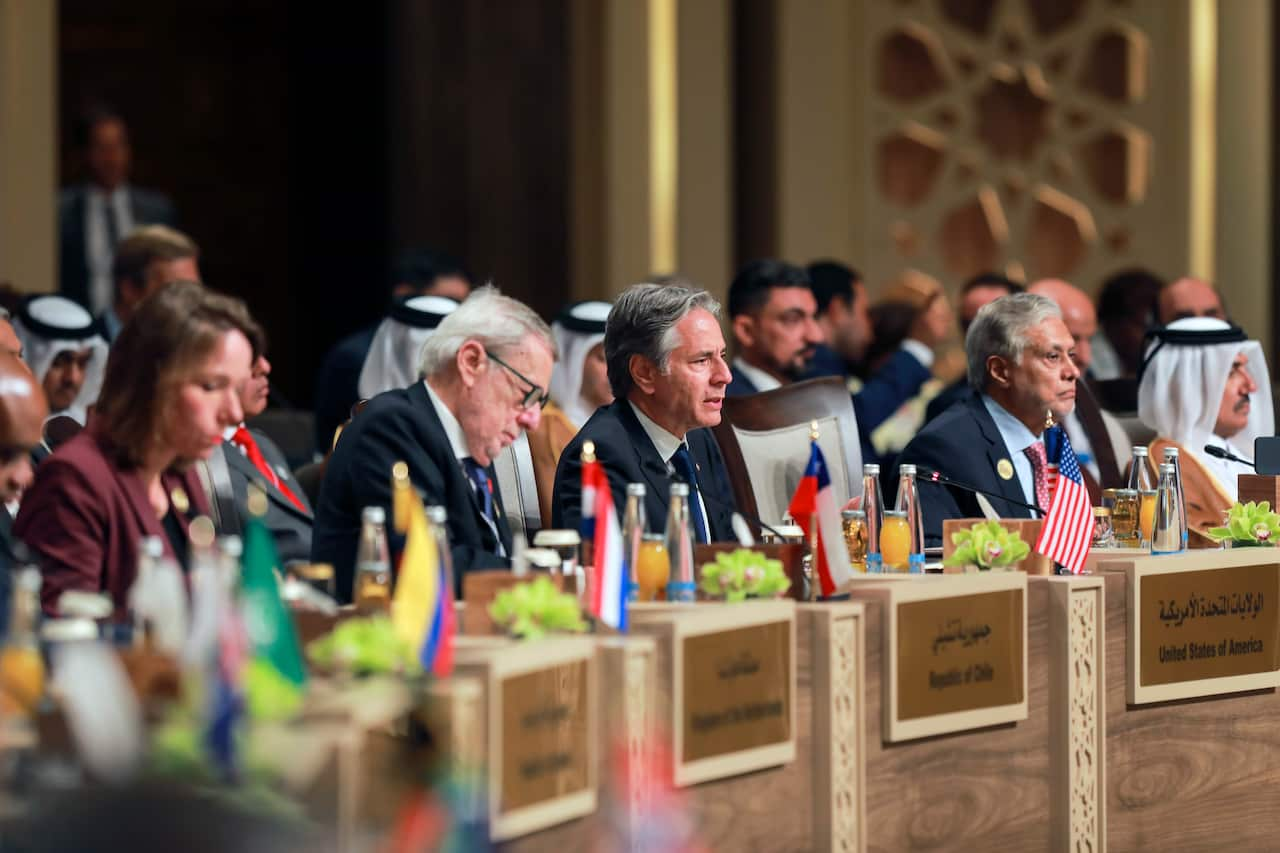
(480,482)
(683,463)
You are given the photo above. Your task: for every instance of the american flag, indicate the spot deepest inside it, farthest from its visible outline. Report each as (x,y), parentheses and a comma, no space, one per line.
(1068,526)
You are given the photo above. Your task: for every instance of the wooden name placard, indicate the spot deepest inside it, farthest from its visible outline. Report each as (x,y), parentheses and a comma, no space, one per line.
(956,652)
(731,685)
(1203,623)
(541,715)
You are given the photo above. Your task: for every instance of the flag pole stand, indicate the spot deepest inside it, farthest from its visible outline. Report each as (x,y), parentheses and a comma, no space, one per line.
(811,579)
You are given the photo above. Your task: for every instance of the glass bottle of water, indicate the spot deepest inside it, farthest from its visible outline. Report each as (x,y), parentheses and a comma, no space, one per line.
(1167,537)
(872,505)
(1140,472)
(1171,458)
(909,502)
(679,542)
(634,523)
(373,563)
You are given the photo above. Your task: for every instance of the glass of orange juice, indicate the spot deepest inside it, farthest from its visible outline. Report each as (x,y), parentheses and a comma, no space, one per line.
(895,540)
(1146,515)
(653,569)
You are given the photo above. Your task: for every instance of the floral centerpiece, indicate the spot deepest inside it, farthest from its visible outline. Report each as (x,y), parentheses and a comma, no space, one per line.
(987,545)
(1248,525)
(741,574)
(533,610)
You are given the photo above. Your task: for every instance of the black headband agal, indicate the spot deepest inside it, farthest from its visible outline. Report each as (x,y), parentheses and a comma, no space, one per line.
(403,312)
(575,323)
(1164,335)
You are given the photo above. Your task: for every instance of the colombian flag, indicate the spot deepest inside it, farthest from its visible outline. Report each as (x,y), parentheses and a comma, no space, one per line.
(422,607)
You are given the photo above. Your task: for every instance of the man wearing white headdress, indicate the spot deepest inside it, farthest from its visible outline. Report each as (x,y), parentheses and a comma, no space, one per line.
(579,386)
(63,346)
(393,356)
(1204,383)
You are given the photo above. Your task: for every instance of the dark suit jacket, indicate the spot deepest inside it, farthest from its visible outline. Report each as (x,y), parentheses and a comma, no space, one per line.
(289,526)
(883,394)
(84,517)
(401,425)
(628,456)
(149,208)
(964,444)
(336,384)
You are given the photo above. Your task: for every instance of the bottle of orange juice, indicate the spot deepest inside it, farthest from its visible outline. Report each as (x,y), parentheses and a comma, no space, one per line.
(21,666)
(895,541)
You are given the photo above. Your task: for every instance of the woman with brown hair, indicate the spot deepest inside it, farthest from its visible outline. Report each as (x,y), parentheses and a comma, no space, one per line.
(171,388)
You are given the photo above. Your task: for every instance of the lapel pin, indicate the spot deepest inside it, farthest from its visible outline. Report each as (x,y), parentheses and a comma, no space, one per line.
(1005,469)
(180,501)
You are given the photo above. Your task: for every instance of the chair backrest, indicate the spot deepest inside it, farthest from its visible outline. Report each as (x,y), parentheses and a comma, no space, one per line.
(764,439)
(519,488)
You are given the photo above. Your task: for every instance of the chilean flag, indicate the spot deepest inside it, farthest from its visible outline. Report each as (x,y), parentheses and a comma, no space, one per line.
(815,501)
(608,599)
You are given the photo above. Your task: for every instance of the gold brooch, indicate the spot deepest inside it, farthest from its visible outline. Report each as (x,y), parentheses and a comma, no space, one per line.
(1005,469)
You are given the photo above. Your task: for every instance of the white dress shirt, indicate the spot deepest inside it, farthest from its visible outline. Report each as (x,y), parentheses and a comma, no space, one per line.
(1225,471)
(761,379)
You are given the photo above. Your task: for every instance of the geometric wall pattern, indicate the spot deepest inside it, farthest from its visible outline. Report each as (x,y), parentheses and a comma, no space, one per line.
(1010,135)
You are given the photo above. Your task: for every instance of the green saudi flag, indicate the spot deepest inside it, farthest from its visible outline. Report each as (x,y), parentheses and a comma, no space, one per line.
(276,672)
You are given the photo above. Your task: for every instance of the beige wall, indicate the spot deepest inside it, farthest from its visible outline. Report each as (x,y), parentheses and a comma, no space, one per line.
(28,143)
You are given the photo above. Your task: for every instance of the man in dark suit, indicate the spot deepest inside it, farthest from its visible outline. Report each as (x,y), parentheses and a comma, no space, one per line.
(1020,371)
(418,272)
(249,456)
(665,355)
(22,414)
(487,370)
(93,217)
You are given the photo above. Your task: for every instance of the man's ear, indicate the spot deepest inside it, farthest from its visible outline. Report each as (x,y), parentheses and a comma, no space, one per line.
(999,370)
(744,331)
(644,373)
(471,362)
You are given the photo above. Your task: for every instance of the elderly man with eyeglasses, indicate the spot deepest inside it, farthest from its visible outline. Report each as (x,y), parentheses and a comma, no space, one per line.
(487,370)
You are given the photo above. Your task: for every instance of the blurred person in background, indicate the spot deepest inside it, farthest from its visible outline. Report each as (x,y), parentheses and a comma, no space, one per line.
(1126,309)
(417,272)
(1189,297)
(67,355)
(148,259)
(976,292)
(94,216)
(579,386)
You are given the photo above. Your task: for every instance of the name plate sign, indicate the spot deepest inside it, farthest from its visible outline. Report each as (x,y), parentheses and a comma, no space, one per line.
(737,690)
(541,722)
(544,736)
(731,684)
(955,652)
(1197,630)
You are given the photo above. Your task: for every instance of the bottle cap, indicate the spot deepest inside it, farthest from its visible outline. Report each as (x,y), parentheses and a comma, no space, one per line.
(1168,468)
(1170,453)
(906,469)
(852,513)
(871,469)
(374,515)
(636,489)
(679,490)
(1139,451)
(556,539)
(437,515)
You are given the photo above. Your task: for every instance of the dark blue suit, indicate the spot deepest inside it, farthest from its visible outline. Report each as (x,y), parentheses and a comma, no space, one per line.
(337,382)
(965,444)
(628,456)
(883,394)
(401,425)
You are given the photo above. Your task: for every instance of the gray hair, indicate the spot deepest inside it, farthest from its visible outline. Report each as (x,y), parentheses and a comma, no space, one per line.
(1000,328)
(643,322)
(498,322)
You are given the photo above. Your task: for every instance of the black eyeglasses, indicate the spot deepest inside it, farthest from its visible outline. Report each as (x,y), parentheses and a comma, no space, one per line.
(535,394)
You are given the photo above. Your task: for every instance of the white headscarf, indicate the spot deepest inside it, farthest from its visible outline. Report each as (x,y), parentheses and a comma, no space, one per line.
(578,328)
(1183,383)
(393,356)
(48,325)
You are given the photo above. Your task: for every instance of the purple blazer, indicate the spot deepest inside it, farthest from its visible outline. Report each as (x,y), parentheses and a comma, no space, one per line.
(84,518)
